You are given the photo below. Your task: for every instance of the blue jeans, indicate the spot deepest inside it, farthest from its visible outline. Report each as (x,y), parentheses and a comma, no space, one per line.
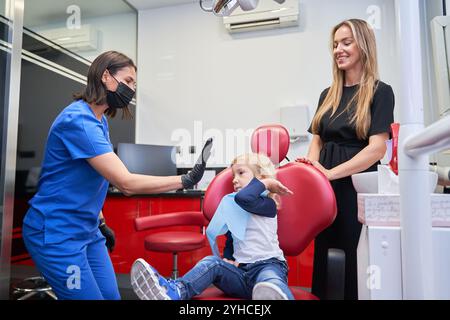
(75,269)
(233,281)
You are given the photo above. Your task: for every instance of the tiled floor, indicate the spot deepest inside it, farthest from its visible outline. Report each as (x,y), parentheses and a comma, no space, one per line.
(19,273)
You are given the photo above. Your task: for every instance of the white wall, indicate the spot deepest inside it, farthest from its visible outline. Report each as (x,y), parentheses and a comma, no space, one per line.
(190,69)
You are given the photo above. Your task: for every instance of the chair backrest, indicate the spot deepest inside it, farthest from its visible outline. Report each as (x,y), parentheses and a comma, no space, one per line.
(271,140)
(308,211)
(221,185)
(304,214)
(312,207)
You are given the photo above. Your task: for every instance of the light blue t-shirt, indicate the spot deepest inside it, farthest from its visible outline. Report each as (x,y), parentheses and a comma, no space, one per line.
(71,193)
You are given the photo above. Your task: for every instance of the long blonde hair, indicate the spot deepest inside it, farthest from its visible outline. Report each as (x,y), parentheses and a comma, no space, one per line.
(365,40)
(261,166)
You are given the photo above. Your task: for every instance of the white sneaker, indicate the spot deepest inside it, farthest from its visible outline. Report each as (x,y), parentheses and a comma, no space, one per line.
(149,285)
(268,291)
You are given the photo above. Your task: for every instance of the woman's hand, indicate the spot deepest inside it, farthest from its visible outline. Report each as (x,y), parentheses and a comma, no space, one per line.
(109,235)
(235,263)
(276,186)
(326,172)
(195,175)
(316,164)
(303,160)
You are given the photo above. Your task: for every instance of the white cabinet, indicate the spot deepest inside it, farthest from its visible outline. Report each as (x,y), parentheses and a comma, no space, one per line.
(379,249)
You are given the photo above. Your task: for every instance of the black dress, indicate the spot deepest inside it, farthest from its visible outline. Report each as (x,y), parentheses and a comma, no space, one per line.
(340,144)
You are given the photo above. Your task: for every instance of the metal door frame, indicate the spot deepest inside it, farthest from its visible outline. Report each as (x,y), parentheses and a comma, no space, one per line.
(14,12)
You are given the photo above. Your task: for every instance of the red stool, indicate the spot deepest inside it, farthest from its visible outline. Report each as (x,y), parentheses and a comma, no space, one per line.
(173,241)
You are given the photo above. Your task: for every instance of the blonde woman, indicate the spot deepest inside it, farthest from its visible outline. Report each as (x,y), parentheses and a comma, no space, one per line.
(256,268)
(349,130)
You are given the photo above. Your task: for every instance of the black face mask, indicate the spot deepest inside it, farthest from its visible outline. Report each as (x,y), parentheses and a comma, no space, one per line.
(120,98)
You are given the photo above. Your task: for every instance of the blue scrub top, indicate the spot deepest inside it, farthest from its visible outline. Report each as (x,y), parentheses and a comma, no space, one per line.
(71,193)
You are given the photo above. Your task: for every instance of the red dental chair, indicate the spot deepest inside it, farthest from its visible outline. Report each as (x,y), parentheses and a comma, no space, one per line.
(302,216)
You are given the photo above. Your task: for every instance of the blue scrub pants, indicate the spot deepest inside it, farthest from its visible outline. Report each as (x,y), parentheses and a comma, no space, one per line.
(75,269)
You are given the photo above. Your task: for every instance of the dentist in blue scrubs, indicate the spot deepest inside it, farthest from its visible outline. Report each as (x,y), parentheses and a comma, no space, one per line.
(64,229)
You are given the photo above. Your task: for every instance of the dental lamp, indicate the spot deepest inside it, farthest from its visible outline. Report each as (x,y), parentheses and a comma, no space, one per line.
(224,8)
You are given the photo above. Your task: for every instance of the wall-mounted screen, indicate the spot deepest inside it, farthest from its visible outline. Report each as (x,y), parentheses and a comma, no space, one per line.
(147,159)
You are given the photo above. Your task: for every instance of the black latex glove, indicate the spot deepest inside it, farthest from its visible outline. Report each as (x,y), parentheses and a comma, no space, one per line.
(108,233)
(195,175)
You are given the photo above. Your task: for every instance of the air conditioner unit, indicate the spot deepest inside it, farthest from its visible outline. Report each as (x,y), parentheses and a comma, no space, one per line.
(268,15)
(84,38)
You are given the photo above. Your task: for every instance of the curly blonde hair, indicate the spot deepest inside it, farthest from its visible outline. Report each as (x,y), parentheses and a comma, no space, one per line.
(262,168)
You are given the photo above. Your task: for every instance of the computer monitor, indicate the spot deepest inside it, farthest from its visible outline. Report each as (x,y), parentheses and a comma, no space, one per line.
(148,159)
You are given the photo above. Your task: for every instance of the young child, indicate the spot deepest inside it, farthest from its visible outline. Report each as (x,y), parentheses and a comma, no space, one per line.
(254,266)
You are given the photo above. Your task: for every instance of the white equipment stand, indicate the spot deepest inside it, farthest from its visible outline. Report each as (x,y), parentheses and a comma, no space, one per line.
(410,260)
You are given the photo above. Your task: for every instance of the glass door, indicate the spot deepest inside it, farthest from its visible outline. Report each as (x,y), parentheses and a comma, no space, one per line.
(11,25)
(54,64)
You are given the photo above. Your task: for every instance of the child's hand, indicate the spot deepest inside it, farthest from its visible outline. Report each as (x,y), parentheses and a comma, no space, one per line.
(231,262)
(276,198)
(276,186)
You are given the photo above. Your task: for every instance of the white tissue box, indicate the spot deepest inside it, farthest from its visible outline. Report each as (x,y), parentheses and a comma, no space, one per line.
(384,209)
